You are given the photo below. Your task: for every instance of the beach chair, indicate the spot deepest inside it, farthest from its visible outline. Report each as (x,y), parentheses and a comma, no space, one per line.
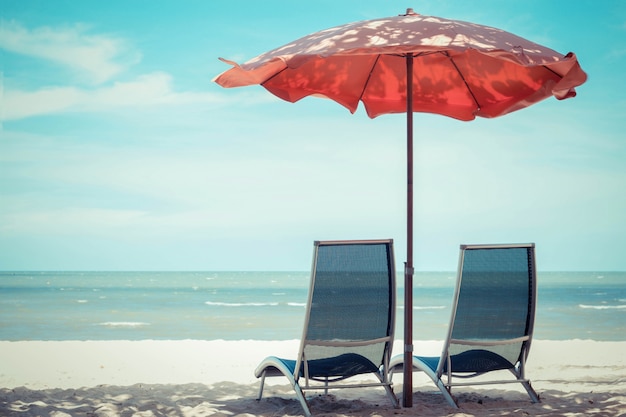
(349,321)
(492,319)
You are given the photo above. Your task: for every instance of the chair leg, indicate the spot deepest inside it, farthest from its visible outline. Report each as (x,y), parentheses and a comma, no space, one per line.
(385,378)
(262,385)
(531,392)
(302,399)
(392,396)
(519,373)
(445,391)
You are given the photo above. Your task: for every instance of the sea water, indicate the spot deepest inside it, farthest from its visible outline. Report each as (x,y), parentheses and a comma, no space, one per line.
(266,305)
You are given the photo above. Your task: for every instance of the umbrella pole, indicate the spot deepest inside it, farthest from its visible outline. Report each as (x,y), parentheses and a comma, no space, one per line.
(407,387)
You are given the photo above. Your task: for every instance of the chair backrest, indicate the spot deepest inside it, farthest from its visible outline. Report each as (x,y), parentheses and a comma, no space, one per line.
(494,308)
(350,314)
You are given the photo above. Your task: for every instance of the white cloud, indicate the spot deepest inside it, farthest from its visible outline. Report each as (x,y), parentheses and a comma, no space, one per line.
(146,90)
(98,58)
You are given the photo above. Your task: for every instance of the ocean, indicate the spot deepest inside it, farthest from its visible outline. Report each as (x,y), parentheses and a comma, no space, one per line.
(266,305)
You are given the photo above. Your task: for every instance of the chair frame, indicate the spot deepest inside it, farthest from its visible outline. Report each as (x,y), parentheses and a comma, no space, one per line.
(273,366)
(444,364)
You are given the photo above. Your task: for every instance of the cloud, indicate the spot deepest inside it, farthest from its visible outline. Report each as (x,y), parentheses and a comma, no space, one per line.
(144,91)
(97,58)
(100,59)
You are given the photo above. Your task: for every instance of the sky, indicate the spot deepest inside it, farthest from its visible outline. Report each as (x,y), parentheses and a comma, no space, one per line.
(118,152)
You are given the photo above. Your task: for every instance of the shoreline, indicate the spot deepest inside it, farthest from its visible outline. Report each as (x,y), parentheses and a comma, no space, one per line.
(77,364)
(574,377)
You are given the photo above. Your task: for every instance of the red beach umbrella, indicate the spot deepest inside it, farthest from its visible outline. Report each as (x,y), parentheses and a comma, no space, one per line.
(413,63)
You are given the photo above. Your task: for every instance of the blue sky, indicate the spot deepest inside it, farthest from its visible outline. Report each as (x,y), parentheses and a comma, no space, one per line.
(117,152)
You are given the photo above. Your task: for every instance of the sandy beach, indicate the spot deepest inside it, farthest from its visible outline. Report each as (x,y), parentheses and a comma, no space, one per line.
(215,378)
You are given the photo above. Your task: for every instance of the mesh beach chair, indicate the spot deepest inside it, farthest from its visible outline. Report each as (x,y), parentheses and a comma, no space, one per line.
(492,320)
(349,321)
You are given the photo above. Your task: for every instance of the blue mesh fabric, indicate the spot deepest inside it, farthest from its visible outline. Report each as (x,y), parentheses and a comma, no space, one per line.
(352,297)
(495,294)
(345,365)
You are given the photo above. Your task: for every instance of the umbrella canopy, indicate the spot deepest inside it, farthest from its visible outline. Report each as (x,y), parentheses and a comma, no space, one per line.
(413,63)
(461,69)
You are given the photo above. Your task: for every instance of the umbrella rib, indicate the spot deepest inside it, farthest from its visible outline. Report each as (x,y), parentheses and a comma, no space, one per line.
(273,75)
(464,81)
(553,71)
(369,76)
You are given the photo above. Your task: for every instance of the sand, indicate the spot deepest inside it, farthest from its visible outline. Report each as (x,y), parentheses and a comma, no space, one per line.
(215,378)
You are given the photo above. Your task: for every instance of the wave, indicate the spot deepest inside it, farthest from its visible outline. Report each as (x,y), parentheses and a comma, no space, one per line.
(222,304)
(272,304)
(123,324)
(618,307)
